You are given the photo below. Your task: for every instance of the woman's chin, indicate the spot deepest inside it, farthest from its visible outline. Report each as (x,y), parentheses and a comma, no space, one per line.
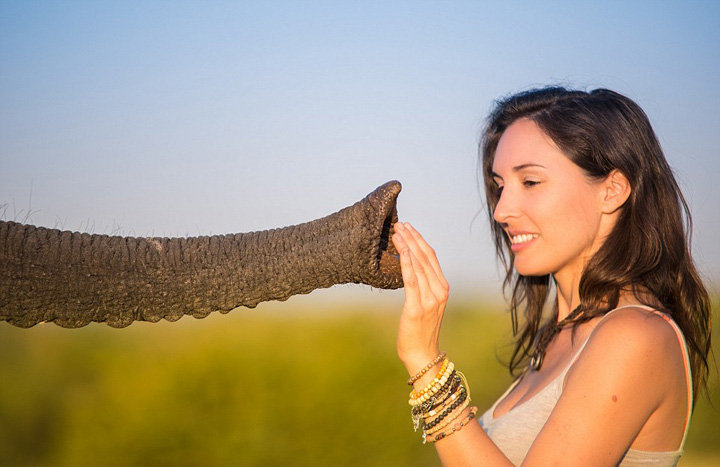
(530,271)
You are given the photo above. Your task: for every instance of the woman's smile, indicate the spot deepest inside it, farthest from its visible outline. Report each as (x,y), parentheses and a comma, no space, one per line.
(521,241)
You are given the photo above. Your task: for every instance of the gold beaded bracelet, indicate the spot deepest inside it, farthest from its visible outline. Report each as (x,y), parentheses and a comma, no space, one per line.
(458,426)
(432,388)
(427,367)
(431,395)
(443,369)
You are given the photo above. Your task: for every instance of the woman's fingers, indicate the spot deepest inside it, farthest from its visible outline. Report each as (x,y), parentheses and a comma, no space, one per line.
(431,286)
(410,280)
(429,256)
(424,260)
(425,298)
(414,274)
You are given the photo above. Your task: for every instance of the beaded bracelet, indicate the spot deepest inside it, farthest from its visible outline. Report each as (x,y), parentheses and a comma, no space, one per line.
(448,400)
(431,389)
(421,411)
(441,372)
(455,414)
(458,426)
(441,402)
(427,367)
(451,386)
(466,387)
(455,404)
(443,392)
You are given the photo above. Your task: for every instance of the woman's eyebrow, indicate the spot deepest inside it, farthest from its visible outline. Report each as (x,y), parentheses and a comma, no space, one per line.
(519,168)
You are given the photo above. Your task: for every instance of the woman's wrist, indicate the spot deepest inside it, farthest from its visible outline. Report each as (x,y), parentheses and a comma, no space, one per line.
(425,369)
(415,362)
(440,400)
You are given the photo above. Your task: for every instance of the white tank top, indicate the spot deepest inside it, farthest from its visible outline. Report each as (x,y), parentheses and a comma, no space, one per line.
(516,430)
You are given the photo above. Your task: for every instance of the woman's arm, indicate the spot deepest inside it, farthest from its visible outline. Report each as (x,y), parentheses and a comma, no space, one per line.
(426,293)
(612,390)
(630,370)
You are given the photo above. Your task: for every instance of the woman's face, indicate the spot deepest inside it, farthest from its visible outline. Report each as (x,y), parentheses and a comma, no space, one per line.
(548,207)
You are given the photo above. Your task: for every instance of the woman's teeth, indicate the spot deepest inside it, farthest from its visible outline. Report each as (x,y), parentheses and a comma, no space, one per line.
(522,238)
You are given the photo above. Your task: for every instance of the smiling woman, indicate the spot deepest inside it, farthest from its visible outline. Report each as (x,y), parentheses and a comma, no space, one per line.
(581,198)
(540,196)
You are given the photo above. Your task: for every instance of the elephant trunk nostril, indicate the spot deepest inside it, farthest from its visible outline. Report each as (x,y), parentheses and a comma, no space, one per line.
(387,264)
(388,229)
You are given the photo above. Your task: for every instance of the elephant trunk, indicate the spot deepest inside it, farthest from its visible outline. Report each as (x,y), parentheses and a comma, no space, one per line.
(72,279)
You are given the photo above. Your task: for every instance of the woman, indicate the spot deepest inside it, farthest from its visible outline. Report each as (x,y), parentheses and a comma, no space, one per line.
(584,207)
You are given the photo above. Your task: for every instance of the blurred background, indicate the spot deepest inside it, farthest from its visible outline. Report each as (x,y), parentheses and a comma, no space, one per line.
(176,118)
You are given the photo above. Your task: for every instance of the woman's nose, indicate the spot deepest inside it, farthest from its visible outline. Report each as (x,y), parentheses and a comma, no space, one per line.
(504,209)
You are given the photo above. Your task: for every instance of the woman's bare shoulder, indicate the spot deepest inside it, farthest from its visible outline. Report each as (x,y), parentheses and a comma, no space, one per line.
(636,344)
(629,371)
(634,329)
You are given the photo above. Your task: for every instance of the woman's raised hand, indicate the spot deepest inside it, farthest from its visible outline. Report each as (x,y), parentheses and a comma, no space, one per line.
(426,293)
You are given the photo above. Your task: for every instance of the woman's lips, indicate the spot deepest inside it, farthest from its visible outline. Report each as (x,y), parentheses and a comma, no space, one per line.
(522,241)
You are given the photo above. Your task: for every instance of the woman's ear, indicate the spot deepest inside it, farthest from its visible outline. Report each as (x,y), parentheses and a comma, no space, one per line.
(616,191)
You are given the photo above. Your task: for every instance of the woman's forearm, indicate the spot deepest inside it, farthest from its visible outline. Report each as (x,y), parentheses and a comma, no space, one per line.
(469,447)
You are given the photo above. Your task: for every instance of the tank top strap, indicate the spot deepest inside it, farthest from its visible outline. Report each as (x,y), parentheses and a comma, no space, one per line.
(683,347)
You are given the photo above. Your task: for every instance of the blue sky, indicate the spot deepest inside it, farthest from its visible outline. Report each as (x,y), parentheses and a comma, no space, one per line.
(185,118)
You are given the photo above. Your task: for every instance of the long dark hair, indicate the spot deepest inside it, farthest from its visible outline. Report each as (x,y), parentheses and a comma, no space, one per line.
(648,250)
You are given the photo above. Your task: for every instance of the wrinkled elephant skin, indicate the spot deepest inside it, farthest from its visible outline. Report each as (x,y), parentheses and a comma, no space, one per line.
(73,279)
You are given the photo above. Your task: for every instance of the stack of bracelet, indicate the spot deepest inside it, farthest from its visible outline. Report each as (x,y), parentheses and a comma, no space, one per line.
(440,402)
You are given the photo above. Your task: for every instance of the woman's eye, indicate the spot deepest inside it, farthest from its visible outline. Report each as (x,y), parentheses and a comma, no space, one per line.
(530,183)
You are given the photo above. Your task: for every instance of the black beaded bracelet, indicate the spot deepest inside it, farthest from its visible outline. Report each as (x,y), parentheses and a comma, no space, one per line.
(459,426)
(443,395)
(447,412)
(451,397)
(437,400)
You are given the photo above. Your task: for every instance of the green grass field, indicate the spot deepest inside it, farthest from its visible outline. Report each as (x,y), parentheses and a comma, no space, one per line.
(278,385)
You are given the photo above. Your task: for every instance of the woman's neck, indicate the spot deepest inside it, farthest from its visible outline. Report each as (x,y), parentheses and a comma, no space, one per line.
(568,294)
